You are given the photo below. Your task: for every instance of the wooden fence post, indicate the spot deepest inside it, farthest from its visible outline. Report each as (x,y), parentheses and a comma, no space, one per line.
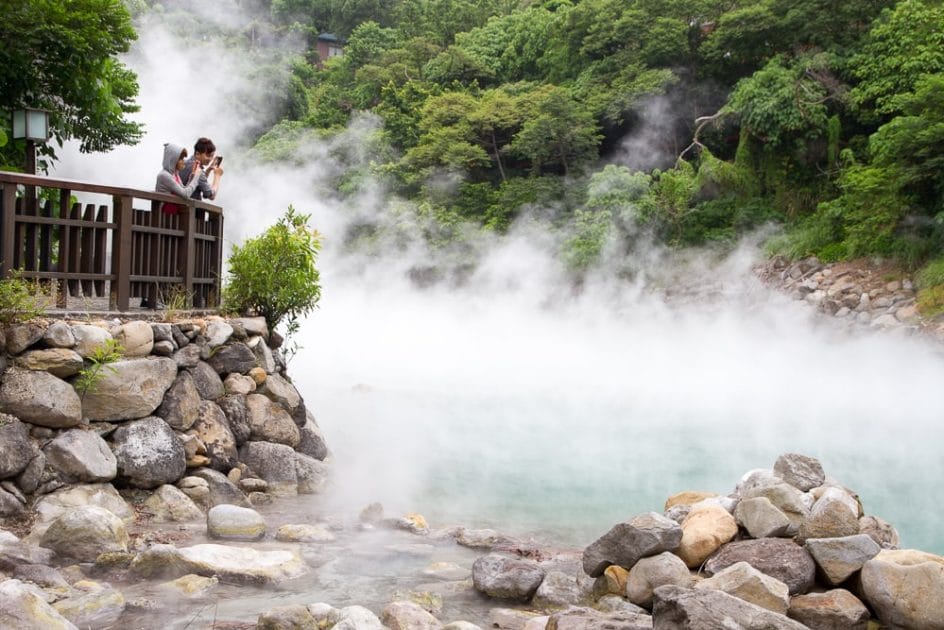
(121,253)
(8,229)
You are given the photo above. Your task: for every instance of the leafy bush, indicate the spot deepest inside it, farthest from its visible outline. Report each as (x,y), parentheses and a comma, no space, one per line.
(274,274)
(18,302)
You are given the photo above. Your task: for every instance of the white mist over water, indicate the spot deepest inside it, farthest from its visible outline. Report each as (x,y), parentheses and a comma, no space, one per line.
(513,401)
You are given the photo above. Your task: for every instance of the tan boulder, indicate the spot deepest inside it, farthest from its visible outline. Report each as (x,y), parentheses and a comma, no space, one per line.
(136,338)
(704,530)
(687,497)
(905,588)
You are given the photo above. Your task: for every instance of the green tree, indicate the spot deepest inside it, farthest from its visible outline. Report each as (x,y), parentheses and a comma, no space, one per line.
(61,55)
(274,275)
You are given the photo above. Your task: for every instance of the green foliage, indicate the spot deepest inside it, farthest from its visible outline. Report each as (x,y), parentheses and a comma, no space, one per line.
(586,244)
(62,55)
(274,275)
(101,359)
(18,301)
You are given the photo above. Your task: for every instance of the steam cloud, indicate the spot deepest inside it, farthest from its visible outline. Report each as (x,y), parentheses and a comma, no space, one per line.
(513,401)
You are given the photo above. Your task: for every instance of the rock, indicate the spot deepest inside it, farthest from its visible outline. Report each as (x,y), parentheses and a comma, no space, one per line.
(777,557)
(188,356)
(163,348)
(304,533)
(687,497)
(250,484)
(92,605)
(616,603)
(271,423)
(15,446)
(707,609)
(281,392)
(642,536)
(60,362)
(24,607)
(41,575)
(557,590)
(312,474)
(168,504)
(88,339)
(576,618)
(829,518)
(291,617)
(408,616)
(837,609)
(40,398)
(19,337)
(880,531)
(461,625)
(905,588)
(81,456)
(447,571)
(190,586)
(85,532)
(755,479)
(16,554)
(219,488)
(839,558)
(650,573)
(479,538)
(234,408)
(235,565)
(747,583)
(129,389)
(843,495)
(149,453)
(794,504)
(212,429)
(181,403)
(258,375)
(30,477)
(312,441)
(235,357)
(218,332)
(104,495)
(613,580)
(207,381)
(253,325)
(11,505)
(275,463)
(512,619)
(356,618)
(136,338)
(704,530)
(761,518)
(232,522)
(59,335)
(264,358)
(506,578)
(239,384)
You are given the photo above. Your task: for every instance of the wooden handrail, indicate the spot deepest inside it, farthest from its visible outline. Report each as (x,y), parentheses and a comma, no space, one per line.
(71,246)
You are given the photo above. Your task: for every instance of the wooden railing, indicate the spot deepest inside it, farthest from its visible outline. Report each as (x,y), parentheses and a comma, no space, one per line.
(120,244)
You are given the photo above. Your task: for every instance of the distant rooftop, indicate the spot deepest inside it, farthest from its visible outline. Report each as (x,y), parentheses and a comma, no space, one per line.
(330,37)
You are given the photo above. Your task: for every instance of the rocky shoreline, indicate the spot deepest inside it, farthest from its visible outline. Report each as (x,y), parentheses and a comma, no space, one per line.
(159,492)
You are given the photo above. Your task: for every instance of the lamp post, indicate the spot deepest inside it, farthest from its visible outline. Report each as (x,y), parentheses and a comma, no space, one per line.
(31,125)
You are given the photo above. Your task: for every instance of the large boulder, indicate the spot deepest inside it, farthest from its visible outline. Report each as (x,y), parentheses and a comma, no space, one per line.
(269,422)
(213,430)
(312,442)
(580,618)
(235,565)
(312,474)
(88,339)
(40,398)
(235,357)
(61,362)
(233,522)
(218,332)
(830,517)
(704,530)
(104,495)
(264,357)
(81,456)
(169,504)
(557,590)
(59,335)
(280,391)
(136,338)
(879,530)
(275,463)
(777,557)
(86,532)
(129,389)
(237,414)
(837,609)
(19,337)
(839,558)
(219,488)
(794,504)
(747,583)
(800,471)
(650,573)
(645,535)
(761,518)
(15,447)
(207,381)
(406,615)
(707,609)
(149,453)
(23,606)
(181,404)
(506,578)
(92,605)
(905,588)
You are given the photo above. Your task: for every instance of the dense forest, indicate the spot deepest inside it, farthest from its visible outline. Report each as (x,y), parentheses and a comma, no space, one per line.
(687,121)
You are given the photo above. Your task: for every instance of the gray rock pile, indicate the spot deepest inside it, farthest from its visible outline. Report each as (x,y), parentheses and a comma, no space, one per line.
(190,410)
(788,548)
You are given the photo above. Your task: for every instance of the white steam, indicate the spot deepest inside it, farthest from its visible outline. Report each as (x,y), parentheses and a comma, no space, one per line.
(514,400)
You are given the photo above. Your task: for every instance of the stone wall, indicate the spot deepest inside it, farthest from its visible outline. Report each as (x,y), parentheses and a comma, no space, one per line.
(202,404)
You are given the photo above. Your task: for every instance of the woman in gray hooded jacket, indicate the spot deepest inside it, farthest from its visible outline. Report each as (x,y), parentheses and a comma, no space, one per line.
(168,180)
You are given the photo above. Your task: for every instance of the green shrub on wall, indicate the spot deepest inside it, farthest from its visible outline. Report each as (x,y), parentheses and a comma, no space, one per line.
(274,275)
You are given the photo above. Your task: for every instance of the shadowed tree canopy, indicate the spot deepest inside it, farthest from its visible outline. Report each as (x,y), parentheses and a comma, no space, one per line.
(60,55)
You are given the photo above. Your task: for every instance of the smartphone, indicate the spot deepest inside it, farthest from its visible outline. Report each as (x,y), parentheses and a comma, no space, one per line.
(217,160)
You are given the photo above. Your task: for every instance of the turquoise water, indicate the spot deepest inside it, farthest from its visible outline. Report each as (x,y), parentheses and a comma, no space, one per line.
(559,422)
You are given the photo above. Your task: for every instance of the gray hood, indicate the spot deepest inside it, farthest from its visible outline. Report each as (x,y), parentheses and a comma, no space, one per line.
(171,155)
